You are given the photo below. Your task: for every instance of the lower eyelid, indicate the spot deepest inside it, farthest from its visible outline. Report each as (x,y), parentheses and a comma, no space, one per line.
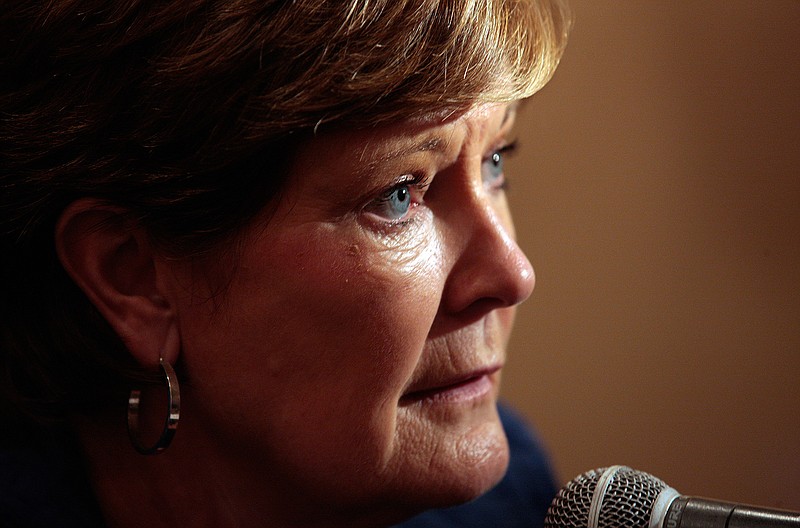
(387,228)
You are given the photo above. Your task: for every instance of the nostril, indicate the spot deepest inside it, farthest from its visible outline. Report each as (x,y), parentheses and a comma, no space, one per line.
(479,309)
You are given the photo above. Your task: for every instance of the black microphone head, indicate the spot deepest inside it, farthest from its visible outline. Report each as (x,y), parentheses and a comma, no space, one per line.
(612,497)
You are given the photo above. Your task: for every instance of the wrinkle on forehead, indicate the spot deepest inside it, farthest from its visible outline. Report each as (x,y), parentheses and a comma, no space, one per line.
(435,123)
(427,144)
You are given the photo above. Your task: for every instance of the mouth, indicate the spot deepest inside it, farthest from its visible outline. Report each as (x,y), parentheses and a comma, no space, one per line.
(458,389)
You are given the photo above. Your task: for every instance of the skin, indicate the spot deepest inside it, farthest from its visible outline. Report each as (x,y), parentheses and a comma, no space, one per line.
(349,371)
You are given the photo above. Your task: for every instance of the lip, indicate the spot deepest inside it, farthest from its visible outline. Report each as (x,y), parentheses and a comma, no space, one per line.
(457,389)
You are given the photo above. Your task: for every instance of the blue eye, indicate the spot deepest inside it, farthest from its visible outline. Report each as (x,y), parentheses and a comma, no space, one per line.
(494,167)
(492,170)
(395,204)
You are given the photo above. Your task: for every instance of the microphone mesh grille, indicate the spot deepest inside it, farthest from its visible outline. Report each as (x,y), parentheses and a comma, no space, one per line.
(570,508)
(628,500)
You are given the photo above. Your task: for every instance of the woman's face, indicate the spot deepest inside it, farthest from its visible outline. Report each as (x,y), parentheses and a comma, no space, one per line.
(355,353)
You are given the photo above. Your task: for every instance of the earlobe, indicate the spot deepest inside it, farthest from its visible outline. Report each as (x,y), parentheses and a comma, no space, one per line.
(113,262)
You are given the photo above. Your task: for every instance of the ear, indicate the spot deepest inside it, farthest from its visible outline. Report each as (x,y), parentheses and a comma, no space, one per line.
(115,265)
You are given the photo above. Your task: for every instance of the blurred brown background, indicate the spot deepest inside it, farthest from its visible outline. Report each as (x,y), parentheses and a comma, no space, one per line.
(657,194)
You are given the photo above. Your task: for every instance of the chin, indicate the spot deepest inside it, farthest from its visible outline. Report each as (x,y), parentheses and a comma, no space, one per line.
(482,464)
(465,470)
(452,467)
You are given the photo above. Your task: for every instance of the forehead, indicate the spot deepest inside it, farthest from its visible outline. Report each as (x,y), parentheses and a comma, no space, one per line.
(435,133)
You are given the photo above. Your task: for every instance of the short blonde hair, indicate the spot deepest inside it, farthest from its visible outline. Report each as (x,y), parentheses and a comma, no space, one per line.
(382,60)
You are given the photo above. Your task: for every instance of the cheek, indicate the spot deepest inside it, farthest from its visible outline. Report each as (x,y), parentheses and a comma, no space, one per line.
(368,310)
(321,337)
(339,314)
(365,300)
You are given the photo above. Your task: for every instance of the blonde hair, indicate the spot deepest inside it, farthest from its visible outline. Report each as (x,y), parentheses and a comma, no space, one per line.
(367,61)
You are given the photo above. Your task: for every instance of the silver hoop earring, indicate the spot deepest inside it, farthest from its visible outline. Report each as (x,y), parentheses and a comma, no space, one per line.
(170,424)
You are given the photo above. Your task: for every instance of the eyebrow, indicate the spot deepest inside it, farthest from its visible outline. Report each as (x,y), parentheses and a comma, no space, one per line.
(434,144)
(428,144)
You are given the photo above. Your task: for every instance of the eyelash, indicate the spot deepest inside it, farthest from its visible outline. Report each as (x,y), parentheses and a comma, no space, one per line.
(509,148)
(420,183)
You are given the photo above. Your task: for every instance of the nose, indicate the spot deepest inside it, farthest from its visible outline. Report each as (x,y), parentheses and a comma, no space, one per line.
(491,271)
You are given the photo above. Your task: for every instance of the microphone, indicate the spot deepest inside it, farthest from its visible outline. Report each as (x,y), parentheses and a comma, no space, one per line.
(621,497)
